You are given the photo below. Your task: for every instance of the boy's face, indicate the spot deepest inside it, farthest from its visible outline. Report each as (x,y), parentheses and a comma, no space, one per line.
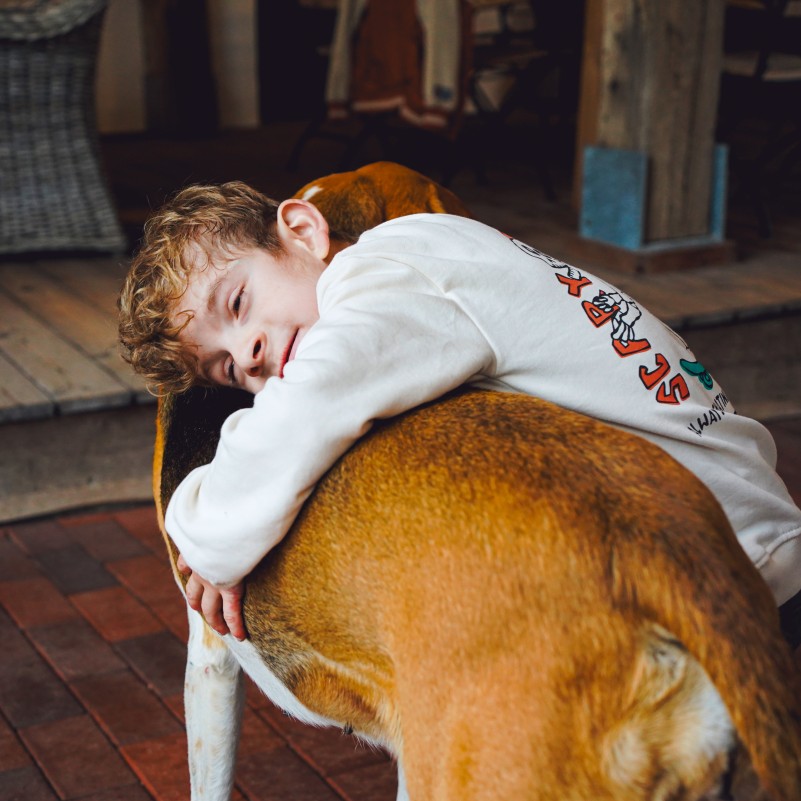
(252,311)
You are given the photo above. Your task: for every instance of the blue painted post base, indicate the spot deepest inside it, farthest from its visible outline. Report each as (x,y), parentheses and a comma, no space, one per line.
(613,209)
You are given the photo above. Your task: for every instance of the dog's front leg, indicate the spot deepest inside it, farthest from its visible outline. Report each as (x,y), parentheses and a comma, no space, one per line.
(213,700)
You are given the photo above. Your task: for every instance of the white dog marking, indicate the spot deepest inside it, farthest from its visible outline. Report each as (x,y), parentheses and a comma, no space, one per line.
(311,192)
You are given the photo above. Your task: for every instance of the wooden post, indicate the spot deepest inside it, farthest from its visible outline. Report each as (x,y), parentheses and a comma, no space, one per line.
(650,83)
(589,91)
(660,73)
(179,83)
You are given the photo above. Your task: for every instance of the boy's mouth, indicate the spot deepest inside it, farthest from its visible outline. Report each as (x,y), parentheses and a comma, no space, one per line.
(288,354)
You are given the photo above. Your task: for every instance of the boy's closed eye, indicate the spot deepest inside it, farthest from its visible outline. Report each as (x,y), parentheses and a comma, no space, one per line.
(236,306)
(237,302)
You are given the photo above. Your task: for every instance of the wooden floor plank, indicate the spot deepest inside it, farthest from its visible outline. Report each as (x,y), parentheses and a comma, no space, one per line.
(97,281)
(778,273)
(84,325)
(92,328)
(764,284)
(72,379)
(20,398)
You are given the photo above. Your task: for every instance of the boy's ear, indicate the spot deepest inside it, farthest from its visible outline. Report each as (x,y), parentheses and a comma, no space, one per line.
(301,223)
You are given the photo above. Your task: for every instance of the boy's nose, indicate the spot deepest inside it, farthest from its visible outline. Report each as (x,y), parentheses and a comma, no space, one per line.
(253,355)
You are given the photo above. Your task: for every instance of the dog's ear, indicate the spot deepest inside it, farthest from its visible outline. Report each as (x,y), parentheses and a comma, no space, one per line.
(188,429)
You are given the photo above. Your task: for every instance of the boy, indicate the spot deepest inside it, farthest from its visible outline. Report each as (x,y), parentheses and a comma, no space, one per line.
(232,288)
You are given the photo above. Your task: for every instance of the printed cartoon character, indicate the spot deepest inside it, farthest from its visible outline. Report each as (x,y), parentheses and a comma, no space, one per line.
(625,311)
(625,314)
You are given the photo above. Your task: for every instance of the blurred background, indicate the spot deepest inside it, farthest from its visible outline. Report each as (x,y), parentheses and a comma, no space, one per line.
(653,143)
(657,145)
(471,91)
(243,94)
(192,90)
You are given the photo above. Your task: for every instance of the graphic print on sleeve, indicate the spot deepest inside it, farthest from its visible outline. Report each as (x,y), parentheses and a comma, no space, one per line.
(618,315)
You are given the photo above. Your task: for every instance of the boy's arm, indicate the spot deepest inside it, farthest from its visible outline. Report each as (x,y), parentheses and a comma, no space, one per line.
(374,355)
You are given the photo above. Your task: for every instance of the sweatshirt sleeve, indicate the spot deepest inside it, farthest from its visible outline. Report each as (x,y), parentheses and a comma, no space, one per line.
(381,348)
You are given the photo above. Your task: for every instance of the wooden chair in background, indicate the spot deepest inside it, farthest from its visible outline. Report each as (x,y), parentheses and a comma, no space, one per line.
(527,57)
(53,191)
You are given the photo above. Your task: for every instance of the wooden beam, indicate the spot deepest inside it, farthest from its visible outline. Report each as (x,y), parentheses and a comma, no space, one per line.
(179,83)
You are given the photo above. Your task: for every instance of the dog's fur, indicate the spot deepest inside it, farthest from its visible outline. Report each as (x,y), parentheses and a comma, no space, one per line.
(517,601)
(352,202)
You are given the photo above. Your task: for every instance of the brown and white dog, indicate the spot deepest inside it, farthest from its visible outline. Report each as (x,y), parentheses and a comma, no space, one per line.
(517,601)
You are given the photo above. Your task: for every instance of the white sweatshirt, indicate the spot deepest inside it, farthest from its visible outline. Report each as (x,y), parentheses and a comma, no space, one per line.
(423,304)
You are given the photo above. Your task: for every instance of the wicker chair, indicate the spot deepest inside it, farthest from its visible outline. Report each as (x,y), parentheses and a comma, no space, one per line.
(53,194)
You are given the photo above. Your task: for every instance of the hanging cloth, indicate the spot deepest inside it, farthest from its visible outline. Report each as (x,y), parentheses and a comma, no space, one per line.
(400,55)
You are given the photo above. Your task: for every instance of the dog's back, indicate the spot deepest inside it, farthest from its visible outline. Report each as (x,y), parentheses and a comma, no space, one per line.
(523,603)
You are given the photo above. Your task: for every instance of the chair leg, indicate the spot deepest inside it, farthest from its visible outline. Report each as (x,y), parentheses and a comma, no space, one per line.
(373,126)
(309,132)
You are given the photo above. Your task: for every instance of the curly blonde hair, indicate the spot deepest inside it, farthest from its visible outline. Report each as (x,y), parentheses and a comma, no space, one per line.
(210,221)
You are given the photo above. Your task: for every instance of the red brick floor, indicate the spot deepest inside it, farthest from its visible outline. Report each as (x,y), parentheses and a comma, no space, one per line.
(91,673)
(91,679)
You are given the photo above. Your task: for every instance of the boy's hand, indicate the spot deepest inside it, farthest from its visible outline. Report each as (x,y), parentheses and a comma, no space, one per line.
(222,608)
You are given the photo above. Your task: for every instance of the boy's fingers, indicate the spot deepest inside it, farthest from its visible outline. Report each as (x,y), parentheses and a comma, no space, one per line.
(183,567)
(194,593)
(222,610)
(232,612)
(212,610)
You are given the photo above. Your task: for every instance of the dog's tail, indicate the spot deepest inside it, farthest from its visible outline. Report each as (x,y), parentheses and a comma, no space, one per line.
(709,598)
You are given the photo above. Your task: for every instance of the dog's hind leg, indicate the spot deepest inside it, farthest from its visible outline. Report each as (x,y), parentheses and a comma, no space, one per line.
(213,701)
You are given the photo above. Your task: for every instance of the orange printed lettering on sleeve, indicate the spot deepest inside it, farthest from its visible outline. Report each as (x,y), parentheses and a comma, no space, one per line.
(596,315)
(650,378)
(678,391)
(574,285)
(631,347)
